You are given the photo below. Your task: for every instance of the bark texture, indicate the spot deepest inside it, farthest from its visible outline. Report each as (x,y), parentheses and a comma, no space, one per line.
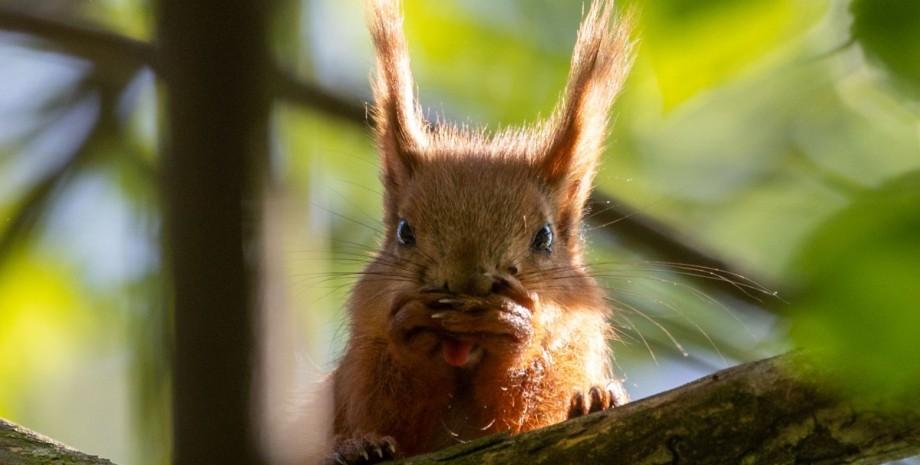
(766,412)
(19,446)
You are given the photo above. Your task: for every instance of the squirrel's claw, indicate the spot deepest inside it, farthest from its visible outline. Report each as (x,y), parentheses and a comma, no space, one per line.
(363,450)
(598,399)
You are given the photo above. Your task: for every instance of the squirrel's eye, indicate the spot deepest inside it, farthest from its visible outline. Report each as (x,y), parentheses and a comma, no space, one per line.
(543,240)
(404,233)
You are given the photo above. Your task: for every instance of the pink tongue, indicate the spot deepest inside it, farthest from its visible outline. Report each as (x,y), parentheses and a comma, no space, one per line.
(456,353)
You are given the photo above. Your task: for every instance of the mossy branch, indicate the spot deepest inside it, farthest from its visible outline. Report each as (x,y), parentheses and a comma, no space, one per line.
(773,411)
(19,446)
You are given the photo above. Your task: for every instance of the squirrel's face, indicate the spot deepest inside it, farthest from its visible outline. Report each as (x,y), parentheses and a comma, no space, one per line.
(481,253)
(482,250)
(470,225)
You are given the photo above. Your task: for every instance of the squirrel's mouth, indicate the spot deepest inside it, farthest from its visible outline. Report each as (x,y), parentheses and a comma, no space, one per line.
(460,352)
(462,330)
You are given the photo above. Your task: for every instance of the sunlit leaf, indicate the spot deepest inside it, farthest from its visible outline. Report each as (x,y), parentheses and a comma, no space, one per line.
(859,304)
(483,69)
(42,316)
(694,45)
(889,32)
(129,17)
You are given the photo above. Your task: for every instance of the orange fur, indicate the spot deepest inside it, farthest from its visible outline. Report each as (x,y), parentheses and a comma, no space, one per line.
(474,201)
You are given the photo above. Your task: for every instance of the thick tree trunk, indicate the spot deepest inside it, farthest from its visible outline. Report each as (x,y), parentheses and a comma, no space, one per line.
(767,412)
(215,61)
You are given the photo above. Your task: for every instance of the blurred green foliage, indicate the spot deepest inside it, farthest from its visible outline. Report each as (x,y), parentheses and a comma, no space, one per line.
(760,129)
(695,45)
(889,31)
(43,318)
(860,299)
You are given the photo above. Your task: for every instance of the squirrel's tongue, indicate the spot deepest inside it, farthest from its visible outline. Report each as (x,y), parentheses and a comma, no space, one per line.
(456,353)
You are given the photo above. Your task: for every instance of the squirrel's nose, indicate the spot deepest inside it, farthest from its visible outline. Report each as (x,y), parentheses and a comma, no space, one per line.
(479,283)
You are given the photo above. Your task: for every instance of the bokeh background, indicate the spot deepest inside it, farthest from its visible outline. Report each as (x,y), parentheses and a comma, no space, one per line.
(781,138)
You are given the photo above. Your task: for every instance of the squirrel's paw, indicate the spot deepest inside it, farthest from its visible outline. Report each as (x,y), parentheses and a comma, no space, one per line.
(363,450)
(597,399)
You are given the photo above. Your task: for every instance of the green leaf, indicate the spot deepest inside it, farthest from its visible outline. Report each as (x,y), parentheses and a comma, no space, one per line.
(485,70)
(889,32)
(696,45)
(861,293)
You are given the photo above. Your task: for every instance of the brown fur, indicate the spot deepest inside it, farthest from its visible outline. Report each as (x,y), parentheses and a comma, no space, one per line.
(475,201)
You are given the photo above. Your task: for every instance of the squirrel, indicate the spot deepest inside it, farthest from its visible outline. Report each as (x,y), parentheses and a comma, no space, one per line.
(478,314)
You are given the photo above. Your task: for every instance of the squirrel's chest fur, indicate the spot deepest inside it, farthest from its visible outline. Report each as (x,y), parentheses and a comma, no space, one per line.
(425,412)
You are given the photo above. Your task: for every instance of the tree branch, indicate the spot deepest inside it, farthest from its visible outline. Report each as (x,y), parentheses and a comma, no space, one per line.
(667,249)
(762,413)
(112,54)
(310,95)
(769,412)
(30,210)
(79,39)
(19,446)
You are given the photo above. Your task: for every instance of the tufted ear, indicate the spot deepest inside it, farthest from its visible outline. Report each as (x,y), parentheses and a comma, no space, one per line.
(575,134)
(400,129)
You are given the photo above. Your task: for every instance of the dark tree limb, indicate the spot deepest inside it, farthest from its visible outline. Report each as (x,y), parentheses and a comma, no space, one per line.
(618,219)
(308,94)
(769,412)
(31,209)
(114,56)
(79,39)
(215,61)
(667,249)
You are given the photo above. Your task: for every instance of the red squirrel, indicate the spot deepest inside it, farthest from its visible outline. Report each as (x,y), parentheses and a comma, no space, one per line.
(478,314)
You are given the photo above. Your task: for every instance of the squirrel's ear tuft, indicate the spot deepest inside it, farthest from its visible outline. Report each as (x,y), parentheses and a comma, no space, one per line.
(575,134)
(400,129)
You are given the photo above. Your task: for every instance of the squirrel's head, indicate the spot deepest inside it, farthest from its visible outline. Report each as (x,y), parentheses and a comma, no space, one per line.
(472,205)
(471,213)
